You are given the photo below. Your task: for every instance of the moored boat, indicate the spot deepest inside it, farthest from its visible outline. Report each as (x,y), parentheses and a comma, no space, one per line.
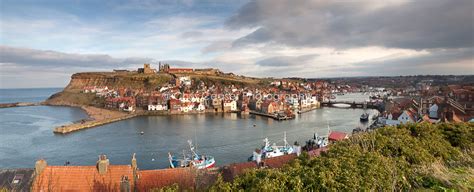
(364,117)
(269,151)
(316,142)
(195,160)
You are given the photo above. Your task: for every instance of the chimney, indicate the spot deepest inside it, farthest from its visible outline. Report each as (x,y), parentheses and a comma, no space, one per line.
(40,165)
(102,164)
(134,162)
(124,184)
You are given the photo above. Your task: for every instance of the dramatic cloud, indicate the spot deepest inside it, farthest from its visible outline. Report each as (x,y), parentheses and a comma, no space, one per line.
(421,24)
(42,44)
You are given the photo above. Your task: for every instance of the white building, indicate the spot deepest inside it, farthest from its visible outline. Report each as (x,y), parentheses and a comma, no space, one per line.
(231,104)
(157,107)
(201,107)
(405,117)
(186,80)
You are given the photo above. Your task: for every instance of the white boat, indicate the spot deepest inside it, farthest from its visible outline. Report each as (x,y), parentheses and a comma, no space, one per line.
(316,142)
(269,151)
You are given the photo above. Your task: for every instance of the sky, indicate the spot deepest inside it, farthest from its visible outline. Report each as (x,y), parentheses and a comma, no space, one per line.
(42,43)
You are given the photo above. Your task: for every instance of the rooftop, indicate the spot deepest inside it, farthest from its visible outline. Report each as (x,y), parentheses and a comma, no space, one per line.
(337,136)
(82,178)
(149,179)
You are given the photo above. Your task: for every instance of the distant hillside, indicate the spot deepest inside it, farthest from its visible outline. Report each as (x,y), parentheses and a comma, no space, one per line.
(404,158)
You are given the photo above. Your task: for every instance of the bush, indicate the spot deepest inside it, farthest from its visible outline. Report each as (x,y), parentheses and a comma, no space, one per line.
(391,158)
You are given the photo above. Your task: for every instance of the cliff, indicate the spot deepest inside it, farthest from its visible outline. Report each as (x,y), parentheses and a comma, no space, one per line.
(72,95)
(116,80)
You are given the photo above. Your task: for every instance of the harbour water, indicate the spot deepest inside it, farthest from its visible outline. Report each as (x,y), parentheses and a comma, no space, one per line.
(26,135)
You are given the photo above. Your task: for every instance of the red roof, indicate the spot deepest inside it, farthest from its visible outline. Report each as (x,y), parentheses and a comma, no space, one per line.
(231,171)
(337,136)
(82,178)
(180,70)
(121,99)
(150,179)
(175,101)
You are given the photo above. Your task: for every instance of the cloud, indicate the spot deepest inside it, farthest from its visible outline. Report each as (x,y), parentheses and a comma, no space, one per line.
(284,61)
(217,46)
(441,61)
(40,58)
(279,38)
(191,34)
(422,24)
(24,67)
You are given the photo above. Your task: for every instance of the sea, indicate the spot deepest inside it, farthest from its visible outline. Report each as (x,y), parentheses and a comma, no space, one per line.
(26,133)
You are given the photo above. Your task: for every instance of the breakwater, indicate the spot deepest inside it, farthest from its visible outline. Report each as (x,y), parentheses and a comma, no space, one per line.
(89,124)
(18,104)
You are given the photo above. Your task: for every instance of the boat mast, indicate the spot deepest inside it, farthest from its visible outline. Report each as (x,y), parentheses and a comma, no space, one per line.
(170,158)
(192,148)
(284,139)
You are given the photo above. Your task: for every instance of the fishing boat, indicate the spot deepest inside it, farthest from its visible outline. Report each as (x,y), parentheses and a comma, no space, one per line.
(316,142)
(364,117)
(192,160)
(269,151)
